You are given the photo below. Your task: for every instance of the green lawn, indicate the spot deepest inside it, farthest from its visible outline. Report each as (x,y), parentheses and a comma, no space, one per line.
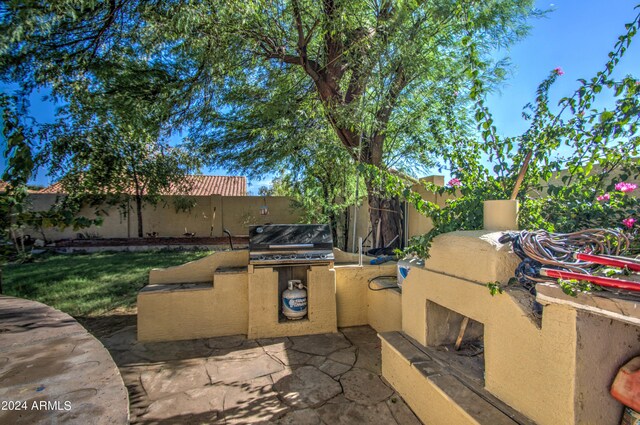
(89,284)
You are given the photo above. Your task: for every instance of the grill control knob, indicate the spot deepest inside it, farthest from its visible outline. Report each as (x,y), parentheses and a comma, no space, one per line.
(262,257)
(323,256)
(292,257)
(307,256)
(276,257)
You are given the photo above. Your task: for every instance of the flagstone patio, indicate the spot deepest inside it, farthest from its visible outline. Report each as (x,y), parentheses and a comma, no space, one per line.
(315,379)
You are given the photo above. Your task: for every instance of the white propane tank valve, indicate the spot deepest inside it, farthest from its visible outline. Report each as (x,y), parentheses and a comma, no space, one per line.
(294,300)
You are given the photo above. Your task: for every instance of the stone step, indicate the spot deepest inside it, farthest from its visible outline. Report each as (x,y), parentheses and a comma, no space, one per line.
(462,387)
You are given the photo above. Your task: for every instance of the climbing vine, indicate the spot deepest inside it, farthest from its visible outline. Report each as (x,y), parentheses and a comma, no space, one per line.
(588,188)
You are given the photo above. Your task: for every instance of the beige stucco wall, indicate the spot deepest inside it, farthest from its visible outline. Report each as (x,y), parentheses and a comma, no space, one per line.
(556,180)
(264,311)
(384,309)
(204,219)
(557,373)
(428,401)
(240,212)
(174,313)
(351,291)
(603,346)
(418,224)
(115,223)
(209,216)
(470,260)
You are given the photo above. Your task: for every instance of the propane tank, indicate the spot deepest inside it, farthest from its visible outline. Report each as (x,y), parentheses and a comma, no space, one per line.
(294,300)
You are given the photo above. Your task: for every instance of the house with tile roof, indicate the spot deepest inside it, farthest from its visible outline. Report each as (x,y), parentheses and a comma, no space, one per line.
(194,185)
(200,205)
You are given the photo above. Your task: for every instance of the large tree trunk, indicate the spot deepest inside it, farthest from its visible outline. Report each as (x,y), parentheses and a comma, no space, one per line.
(335,93)
(385,215)
(139,213)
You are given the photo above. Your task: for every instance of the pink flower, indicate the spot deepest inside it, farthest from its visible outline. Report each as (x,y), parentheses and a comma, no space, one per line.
(558,71)
(629,222)
(626,187)
(454,182)
(604,197)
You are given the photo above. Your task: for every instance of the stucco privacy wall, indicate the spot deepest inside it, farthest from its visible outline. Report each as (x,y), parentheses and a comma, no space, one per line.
(209,216)
(239,212)
(419,224)
(115,224)
(542,372)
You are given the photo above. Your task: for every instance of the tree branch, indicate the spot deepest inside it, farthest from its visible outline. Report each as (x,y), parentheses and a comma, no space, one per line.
(375,148)
(333,45)
(311,67)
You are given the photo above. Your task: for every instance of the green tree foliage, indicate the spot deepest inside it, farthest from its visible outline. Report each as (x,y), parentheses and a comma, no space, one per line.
(110,157)
(321,182)
(109,140)
(250,77)
(15,211)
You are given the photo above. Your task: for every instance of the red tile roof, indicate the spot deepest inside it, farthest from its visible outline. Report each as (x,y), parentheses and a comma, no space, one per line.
(214,185)
(4,186)
(197,185)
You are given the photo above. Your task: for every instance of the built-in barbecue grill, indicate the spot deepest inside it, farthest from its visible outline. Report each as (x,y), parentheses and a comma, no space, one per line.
(290,244)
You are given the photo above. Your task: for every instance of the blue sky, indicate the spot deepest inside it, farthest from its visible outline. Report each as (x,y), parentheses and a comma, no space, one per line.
(575,35)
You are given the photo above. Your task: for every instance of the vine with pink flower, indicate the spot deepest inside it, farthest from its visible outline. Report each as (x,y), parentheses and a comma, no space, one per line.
(621,202)
(591,185)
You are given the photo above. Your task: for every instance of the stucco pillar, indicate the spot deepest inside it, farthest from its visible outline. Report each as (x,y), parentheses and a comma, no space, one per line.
(501,215)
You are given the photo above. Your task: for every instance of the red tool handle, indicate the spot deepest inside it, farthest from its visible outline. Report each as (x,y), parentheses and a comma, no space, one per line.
(609,261)
(599,280)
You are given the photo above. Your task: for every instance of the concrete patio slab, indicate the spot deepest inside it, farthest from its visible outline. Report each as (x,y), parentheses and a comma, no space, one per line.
(364,387)
(307,387)
(53,371)
(313,379)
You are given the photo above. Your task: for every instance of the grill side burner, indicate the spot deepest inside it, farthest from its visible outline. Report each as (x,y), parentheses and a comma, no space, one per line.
(277,244)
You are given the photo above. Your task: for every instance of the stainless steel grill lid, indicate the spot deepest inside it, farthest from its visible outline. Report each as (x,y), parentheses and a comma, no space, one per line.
(298,237)
(290,243)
